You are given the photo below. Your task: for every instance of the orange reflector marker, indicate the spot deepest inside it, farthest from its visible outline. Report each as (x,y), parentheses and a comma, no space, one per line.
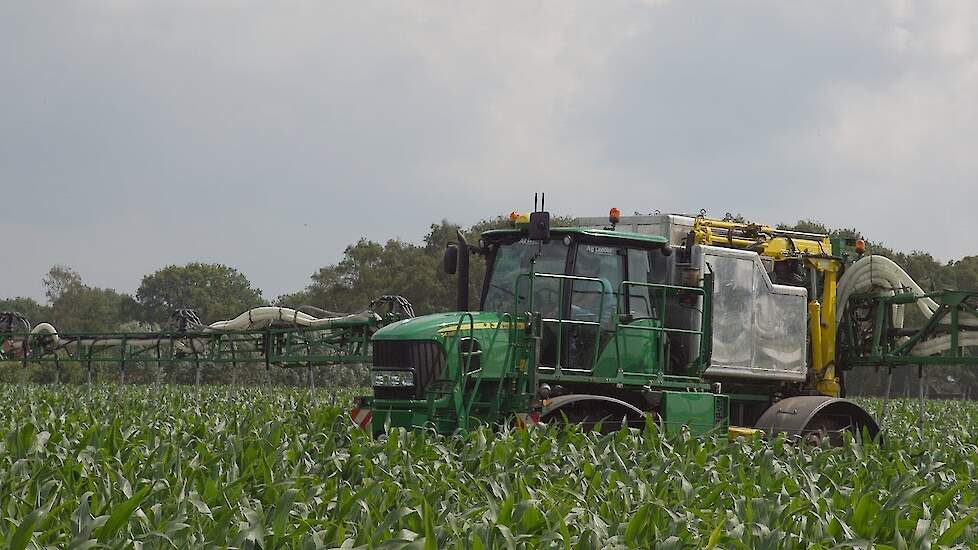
(860,246)
(362,417)
(527,420)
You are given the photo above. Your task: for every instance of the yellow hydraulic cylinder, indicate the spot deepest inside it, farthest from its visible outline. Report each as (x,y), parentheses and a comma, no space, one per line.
(815,329)
(823,366)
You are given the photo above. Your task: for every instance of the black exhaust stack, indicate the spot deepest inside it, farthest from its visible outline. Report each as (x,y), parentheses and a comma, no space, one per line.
(462,296)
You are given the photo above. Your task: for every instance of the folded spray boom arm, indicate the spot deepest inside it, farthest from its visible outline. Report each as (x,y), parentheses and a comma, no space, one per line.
(277,336)
(873,327)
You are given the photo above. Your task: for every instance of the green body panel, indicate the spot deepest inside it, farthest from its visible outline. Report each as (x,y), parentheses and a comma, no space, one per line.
(470,387)
(627,356)
(427,327)
(699,412)
(632,351)
(843,247)
(405,417)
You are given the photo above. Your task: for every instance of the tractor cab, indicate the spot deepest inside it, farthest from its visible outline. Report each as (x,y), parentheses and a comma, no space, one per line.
(583,317)
(584,283)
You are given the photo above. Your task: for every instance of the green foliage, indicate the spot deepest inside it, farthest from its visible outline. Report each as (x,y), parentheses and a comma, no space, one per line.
(76,307)
(964,273)
(812,226)
(27,307)
(248,468)
(369,269)
(215,291)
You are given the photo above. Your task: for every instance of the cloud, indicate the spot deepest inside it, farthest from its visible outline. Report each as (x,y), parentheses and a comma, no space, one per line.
(905,142)
(135,135)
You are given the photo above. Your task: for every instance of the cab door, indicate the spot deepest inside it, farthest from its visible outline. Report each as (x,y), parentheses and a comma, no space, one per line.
(637,349)
(600,340)
(594,304)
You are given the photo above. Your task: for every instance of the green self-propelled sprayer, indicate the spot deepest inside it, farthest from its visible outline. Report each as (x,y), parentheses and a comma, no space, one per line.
(703,324)
(699,324)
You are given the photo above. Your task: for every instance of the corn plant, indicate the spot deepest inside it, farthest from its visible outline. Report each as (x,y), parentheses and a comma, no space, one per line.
(175,467)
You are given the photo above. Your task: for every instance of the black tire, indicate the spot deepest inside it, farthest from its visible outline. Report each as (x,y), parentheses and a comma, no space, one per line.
(595,416)
(816,418)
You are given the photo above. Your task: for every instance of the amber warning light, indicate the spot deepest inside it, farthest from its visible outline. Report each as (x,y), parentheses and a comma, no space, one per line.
(614,215)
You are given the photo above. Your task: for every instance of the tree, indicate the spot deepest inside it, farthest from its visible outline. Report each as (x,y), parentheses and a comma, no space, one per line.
(369,269)
(28,307)
(964,273)
(60,280)
(76,307)
(215,291)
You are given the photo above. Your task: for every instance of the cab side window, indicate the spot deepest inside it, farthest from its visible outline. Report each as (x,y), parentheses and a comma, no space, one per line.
(593,299)
(640,297)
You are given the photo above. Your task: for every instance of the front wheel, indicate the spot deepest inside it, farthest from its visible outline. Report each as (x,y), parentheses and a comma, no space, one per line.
(603,414)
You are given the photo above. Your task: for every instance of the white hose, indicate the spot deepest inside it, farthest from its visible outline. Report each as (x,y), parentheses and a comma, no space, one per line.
(941,343)
(881,274)
(263,316)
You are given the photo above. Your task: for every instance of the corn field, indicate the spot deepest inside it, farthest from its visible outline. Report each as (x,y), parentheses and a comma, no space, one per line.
(174,467)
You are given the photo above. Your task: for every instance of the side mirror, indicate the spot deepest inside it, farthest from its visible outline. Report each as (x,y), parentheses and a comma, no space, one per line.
(451,259)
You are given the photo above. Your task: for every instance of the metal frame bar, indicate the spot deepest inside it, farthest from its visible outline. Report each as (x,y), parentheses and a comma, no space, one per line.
(873,341)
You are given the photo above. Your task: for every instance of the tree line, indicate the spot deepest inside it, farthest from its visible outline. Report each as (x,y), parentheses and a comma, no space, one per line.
(369,269)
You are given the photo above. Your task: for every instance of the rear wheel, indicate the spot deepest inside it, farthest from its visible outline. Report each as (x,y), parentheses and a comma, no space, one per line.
(816,419)
(823,430)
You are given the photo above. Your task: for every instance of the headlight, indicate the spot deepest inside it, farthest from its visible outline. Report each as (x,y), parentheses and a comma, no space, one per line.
(393,378)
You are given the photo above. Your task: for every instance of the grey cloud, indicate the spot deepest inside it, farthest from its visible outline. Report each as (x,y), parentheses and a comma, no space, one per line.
(269,137)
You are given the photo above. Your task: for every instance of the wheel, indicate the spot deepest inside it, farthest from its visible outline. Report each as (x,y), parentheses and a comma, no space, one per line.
(818,418)
(823,429)
(591,416)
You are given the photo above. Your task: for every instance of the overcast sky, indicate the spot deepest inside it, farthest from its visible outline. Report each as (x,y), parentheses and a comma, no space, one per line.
(268,136)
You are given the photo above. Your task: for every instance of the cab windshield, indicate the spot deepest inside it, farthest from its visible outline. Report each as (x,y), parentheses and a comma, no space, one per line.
(513,259)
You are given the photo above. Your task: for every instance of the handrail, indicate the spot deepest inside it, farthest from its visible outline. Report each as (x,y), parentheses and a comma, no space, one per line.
(453,358)
(560,321)
(662,328)
(482,367)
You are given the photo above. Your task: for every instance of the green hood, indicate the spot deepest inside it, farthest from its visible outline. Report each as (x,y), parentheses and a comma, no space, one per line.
(434,326)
